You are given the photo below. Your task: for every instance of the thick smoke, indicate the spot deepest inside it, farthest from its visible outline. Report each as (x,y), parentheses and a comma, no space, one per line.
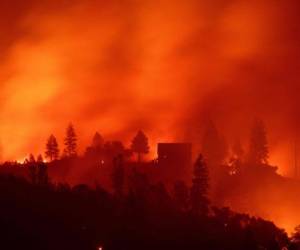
(163,66)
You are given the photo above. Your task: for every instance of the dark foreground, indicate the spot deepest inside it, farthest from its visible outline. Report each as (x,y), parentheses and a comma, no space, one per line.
(60,217)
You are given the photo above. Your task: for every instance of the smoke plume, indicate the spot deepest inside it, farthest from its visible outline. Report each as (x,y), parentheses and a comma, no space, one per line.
(161,66)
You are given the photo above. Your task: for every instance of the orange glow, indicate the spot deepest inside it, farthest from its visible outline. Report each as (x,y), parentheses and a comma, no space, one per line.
(168,60)
(161,66)
(141,65)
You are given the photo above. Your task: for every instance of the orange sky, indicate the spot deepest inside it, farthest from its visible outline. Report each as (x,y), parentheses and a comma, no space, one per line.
(163,66)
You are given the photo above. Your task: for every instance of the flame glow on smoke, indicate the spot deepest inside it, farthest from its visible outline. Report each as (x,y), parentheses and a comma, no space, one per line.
(162,66)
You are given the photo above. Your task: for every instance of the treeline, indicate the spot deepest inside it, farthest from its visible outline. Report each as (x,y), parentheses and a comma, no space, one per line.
(139,146)
(213,144)
(144,214)
(214,147)
(57,216)
(224,164)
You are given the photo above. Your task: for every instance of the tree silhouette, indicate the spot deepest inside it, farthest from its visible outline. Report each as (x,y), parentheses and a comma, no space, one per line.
(52,151)
(114,148)
(1,151)
(214,147)
(40,159)
(95,150)
(140,145)
(237,149)
(31,158)
(296,235)
(97,141)
(138,183)
(70,142)
(258,151)
(42,174)
(199,190)
(32,167)
(181,195)
(236,160)
(117,176)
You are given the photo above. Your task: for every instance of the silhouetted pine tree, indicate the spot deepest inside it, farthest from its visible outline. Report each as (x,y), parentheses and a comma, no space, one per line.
(140,145)
(1,151)
(31,159)
(42,174)
(214,146)
(237,158)
(97,141)
(296,235)
(114,148)
(117,176)
(40,159)
(95,150)
(181,195)
(138,183)
(70,142)
(32,167)
(52,151)
(199,190)
(237,149)
(258,151)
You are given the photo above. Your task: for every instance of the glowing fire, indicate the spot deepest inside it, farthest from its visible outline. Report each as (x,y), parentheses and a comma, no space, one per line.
(161,67)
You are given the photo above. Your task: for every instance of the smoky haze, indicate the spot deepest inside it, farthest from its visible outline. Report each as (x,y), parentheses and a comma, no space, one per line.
(162,66)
